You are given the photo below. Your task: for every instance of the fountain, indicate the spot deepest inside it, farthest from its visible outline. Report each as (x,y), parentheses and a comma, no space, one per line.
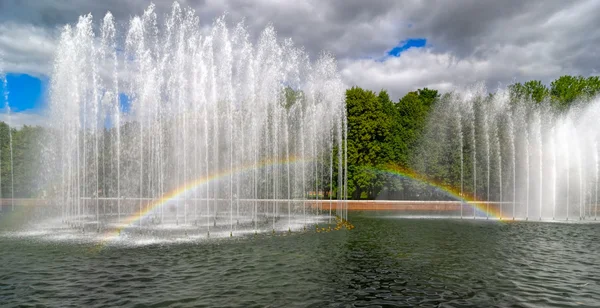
(4,96)
(543,148)
(177,128)
(4,83)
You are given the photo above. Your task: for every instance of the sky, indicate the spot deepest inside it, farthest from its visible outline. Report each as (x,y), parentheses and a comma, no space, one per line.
(397,45)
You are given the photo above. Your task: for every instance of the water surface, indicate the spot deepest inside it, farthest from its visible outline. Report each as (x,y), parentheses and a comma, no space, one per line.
(383,262)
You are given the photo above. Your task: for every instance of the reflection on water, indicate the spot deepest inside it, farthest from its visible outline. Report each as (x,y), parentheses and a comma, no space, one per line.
(384,262)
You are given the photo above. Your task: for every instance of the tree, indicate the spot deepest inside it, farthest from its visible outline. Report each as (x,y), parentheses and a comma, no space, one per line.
(290,97)
(368,139)
(413,110)
(566,89)
(592,86)
(532,90)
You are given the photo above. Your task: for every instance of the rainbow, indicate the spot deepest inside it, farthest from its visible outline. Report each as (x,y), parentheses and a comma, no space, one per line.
(190,186)
(187,187)
(452,191)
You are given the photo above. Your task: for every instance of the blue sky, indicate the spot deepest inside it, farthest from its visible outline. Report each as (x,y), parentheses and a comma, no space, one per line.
(25,92)
(407,44)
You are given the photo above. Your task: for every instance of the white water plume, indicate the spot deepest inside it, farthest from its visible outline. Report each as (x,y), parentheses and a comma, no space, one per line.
(140,114)
(545,159)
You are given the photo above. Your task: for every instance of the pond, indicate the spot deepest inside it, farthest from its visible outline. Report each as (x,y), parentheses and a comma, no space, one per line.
(384,261)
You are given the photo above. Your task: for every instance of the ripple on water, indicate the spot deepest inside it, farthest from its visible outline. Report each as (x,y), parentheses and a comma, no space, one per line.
(381,263)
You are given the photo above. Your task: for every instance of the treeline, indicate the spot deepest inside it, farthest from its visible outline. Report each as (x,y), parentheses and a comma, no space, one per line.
(382,132)
(25,167)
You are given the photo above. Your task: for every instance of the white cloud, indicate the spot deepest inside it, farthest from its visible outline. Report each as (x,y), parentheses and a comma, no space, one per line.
(27,49)
(18,119)
(415,68)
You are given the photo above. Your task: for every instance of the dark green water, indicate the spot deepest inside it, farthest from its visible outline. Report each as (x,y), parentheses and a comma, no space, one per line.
(384,262)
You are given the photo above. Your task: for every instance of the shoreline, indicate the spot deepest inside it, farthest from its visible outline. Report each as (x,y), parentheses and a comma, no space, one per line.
(410,205)
(352,205)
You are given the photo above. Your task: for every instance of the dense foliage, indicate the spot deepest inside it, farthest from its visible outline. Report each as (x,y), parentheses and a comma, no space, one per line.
(25,167)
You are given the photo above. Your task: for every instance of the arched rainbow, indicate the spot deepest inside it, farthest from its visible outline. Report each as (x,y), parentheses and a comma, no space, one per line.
(448,189)
(190,186)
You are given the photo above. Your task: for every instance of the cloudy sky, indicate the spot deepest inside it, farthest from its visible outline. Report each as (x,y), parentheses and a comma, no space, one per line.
(395,45)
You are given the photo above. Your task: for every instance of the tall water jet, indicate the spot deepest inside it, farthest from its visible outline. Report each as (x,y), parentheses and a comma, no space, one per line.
(536,142)
(597,169)
(12,167)
(513,146)
(331,174)
(554,179)
(581,183)
(498,115)
(527,150)
(486,129)
(173,124)
(568,163)
(462,159)
(474,145)
(499,157)
(4,82)
(540,146)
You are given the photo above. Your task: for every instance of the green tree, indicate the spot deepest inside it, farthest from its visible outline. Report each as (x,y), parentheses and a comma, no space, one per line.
(532,90)
(413,110)
(369,130)
(566,89)
(25,166)
(290,97)
(592,87)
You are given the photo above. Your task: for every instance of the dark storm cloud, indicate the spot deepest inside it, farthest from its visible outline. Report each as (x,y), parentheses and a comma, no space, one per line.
(459,25)
(464,27)
(346,28)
